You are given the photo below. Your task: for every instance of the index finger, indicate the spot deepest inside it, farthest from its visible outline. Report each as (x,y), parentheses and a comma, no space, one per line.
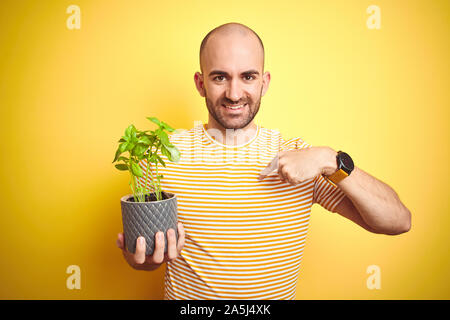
(158,252)
(181,237)
(139,254)
(273,165)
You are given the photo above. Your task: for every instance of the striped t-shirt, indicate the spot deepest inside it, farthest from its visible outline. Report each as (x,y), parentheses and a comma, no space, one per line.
(244,237)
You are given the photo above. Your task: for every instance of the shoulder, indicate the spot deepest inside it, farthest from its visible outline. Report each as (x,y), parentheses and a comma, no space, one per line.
(295,143)
(181,133)
(290,143)
(182,136)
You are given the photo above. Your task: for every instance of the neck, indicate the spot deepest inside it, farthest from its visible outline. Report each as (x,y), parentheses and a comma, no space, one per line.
(231,137)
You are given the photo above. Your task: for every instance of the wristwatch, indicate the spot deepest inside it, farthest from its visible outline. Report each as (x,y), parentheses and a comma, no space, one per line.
(345,166)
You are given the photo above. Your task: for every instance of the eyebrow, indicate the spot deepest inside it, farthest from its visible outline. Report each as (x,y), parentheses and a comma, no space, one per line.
(223,73)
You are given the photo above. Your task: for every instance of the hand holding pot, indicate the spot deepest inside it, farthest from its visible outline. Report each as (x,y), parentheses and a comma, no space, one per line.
(140,261)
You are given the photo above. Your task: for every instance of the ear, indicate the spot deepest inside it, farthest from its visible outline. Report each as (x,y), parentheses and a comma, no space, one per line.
(266,81)
(198,78)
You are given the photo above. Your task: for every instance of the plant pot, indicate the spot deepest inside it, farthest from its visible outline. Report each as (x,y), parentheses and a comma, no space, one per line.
(147,218)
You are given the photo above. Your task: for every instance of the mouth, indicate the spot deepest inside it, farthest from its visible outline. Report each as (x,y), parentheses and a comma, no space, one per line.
(234,108)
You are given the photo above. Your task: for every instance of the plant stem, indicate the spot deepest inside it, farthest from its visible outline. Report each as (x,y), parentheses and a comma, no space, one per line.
(146,174)
(137,190)
(158,195)
(133,186)
(154,185)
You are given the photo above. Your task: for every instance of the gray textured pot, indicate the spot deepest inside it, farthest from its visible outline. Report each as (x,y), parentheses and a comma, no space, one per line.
(146,219)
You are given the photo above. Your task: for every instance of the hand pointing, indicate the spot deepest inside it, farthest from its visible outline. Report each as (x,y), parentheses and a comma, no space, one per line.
(273,165)
(298,165)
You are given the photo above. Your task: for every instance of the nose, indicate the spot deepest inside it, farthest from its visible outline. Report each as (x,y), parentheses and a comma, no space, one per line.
(234,91)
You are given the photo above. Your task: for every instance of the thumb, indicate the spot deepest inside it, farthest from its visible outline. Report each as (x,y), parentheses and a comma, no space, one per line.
(273,165)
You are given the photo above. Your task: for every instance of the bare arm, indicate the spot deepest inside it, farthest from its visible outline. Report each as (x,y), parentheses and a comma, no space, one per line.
(369,202)
(373,204)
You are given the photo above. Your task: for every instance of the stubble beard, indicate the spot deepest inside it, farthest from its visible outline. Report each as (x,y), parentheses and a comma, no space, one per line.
(233,122)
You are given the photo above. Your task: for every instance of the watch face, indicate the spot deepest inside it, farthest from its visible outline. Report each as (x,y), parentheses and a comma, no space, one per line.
(346,162)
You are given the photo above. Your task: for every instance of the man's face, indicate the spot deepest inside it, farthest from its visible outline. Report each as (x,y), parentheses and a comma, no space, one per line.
(232,82)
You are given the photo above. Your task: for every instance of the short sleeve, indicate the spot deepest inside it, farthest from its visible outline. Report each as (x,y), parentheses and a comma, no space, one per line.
(326,194)
(295,143)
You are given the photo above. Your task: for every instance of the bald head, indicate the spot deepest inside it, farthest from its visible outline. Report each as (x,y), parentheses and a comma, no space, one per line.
(235,31)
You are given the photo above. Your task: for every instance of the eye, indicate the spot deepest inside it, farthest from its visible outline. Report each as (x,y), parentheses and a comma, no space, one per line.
(218,77)
(251,77)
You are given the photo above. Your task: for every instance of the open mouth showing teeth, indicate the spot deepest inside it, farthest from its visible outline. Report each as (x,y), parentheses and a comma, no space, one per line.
(235,107)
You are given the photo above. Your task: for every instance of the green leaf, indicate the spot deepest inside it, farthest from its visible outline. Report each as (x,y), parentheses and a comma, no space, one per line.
(129,131)
(164,139)
(153,158)
(149,139)
(161,160)
(121,166)
(122,140)
(123,146)
(172,153)
(167,127)
(144,140)
(165,152)
(133,138)
(175,153)
(136,170)
(123,158)
(139,150)
(155,120)
(130,146)
(116,156)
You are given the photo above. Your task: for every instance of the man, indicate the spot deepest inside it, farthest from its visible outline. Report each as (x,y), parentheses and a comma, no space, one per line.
(245,194)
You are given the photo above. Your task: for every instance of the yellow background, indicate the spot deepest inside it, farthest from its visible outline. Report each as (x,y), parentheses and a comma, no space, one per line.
(66,97)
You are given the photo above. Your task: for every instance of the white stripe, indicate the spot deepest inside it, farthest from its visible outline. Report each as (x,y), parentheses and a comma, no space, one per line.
(199,258)
(182,214)
(294,264)
(192,252)
(235,207)
(231,294)
(236,210)
(258,282)
(286,281)
(266,218)
(229,252)
(186,291)
(273,227)
(232,221)
(257,231)
(234,182)
(257,245)
(238,197)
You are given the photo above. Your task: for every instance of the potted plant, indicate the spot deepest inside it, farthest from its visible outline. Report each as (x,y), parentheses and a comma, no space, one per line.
(148,209)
